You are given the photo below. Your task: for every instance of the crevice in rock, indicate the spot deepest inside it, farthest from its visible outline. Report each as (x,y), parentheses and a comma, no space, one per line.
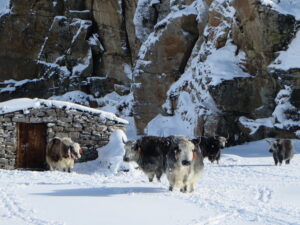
(124,28)
(156,13)
(187,55)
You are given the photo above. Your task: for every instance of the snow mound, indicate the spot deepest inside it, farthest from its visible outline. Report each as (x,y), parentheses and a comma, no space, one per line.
(110,157)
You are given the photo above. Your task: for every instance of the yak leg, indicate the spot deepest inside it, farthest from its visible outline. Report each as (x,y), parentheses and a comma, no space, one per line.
(280,157)
(218,157)
(184,189)
(275,160)
(151,176)
(158,174)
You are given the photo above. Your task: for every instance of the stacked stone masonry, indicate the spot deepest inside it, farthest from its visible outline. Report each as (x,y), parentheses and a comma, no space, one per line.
(88,129)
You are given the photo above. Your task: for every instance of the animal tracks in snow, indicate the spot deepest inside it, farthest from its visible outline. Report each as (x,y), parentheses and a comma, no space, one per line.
(14,208)
(264,195)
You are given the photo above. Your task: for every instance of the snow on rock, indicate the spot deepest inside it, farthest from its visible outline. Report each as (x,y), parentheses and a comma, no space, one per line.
(207,66)
(284,108)
(289,59)
(143,13)
(222,64)
(112,102)
(78,97)
(287,7)
(281,117)
(95,41)
(177,12)
(4,7)
(27,103)
(121,105)
(253,125)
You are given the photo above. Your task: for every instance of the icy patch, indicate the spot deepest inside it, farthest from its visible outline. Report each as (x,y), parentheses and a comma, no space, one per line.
(289,59)
(287,7)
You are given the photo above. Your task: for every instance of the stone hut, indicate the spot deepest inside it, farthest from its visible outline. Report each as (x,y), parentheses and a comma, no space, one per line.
(26,126)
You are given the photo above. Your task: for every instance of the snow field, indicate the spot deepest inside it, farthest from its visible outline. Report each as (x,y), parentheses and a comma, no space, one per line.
(245,188)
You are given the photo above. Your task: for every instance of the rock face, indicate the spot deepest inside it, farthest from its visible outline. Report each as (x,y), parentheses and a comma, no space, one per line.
(161,64)
(205,66)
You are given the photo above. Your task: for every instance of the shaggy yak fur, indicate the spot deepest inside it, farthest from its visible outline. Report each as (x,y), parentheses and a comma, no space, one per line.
(184,164)
(61,153)
(282,149)
(211,146)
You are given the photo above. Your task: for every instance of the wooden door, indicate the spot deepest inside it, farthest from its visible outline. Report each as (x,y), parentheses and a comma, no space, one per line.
(31,149)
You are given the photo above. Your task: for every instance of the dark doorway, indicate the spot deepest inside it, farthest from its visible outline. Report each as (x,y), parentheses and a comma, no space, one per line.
(31,149)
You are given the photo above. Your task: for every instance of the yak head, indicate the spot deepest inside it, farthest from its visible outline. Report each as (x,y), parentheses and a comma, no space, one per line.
(132,151)
(222,141)
(74,151)
(182,151)
(275,146)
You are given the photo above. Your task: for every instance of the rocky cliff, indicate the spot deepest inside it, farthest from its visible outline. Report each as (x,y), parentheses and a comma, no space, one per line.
(193,67)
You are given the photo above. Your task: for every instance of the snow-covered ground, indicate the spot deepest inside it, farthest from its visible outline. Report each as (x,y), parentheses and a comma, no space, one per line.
(245,188)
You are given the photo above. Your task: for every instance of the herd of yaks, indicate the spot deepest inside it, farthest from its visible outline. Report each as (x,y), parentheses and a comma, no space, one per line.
(180,158)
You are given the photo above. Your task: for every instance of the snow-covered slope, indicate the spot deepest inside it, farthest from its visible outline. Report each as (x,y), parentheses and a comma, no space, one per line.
(245,188)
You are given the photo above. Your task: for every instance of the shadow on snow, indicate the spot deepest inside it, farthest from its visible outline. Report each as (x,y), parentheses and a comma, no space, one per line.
(103,191)
(245,165)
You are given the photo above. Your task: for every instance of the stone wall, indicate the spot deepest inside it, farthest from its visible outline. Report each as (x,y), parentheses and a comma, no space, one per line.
(89,130)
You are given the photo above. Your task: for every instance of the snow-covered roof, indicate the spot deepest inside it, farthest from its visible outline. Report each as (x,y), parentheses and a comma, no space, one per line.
(27,103)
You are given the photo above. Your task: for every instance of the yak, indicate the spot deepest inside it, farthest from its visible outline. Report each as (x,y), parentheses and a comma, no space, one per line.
(61,153)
